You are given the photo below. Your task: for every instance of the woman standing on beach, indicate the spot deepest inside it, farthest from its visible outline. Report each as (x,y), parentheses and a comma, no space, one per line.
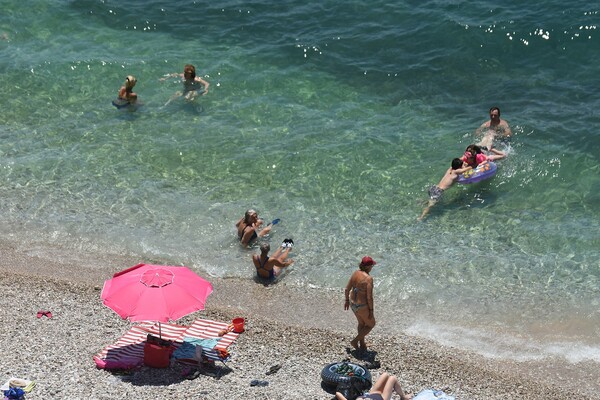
(359,297)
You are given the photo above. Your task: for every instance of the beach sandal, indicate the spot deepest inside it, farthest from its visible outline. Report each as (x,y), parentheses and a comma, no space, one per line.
(256,382)
(273,369)
(42,313)
(193,375)
(290,243)
(284,244)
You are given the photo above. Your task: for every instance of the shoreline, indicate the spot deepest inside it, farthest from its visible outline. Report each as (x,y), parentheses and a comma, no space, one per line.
(57,353)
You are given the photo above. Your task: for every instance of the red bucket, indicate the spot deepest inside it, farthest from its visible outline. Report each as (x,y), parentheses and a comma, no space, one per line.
(238,325)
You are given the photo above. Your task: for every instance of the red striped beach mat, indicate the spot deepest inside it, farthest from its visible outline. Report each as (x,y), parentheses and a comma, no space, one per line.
(205,329)
(128,351)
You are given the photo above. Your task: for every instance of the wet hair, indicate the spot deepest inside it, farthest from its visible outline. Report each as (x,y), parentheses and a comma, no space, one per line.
(191,69)
(265,247)
(130,82)
(248,214)
(473,149)
(495,108)
(457,163)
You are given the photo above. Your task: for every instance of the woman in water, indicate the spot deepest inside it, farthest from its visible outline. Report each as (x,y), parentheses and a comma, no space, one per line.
(269,268)
(192,84)
(359,297)
(126,96)
(248,227)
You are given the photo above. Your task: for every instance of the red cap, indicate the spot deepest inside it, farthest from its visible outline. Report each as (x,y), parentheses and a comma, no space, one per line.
(367,261)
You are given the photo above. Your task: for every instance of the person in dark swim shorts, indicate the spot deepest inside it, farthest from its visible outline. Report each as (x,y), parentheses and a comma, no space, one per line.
(449,179)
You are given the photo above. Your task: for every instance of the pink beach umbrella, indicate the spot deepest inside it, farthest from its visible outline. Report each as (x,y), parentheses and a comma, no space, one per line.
(155,293)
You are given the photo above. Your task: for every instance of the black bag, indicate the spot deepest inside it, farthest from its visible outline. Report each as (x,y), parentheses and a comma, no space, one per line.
(354,388)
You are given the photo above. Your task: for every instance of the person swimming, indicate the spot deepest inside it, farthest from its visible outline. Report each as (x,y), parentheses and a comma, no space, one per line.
(192,85)
(126,96)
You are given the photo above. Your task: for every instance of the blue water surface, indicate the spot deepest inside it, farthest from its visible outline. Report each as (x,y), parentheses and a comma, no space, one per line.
(335,117)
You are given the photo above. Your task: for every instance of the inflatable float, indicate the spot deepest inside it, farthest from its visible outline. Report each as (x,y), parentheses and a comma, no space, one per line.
(482,172)
(341,372)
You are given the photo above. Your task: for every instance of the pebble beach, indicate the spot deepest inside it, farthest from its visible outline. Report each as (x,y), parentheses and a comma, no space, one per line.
(57,353)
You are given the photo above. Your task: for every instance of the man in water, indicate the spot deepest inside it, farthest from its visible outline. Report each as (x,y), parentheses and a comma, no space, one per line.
(496,127)
(449,179)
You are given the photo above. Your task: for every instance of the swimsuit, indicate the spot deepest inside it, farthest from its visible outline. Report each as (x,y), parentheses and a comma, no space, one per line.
(262,266)
(373,396)
(355,307)
(435,193)
(254,235)
(121,103)
(192,85)
(479,158)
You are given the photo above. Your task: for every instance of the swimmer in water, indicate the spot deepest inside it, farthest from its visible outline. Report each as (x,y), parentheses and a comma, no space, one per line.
(126,96)
(450,177)
(495,128)
(192,84)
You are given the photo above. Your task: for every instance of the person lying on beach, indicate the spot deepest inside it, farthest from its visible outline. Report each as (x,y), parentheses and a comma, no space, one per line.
(126,96)
(359,298)
(495,128)
(269,268)
(192,84)
(248,227)
(450,177)
(383,389)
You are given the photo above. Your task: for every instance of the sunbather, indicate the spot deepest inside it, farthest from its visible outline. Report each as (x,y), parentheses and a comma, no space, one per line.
(382,389)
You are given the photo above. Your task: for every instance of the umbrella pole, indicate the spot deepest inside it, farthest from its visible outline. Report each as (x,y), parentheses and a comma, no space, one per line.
(159,330)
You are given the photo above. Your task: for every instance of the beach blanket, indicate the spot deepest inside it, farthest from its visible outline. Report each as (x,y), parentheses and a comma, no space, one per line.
(430,394)
(190,346)
(128,351)
(206,334)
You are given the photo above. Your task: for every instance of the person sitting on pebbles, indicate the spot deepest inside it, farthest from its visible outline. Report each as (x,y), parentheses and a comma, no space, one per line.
(269,268)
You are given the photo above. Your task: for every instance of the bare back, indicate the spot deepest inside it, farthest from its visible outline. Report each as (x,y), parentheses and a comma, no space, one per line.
(360,287)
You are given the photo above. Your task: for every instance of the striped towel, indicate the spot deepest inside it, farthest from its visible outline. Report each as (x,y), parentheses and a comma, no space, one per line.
(207,329)
(128,351)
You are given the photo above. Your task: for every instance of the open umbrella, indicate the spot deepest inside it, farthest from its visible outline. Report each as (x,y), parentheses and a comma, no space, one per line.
(155,293)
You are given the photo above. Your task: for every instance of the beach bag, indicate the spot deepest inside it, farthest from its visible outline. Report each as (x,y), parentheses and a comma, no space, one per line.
(14,394)
(353,388)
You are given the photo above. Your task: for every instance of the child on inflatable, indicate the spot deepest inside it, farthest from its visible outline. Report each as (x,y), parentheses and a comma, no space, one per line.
(474,155)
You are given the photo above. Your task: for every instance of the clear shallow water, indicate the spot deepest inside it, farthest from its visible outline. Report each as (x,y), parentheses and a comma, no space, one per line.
(338,129)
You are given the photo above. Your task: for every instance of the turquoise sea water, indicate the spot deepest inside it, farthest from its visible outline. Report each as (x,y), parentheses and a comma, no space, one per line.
(335,117)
